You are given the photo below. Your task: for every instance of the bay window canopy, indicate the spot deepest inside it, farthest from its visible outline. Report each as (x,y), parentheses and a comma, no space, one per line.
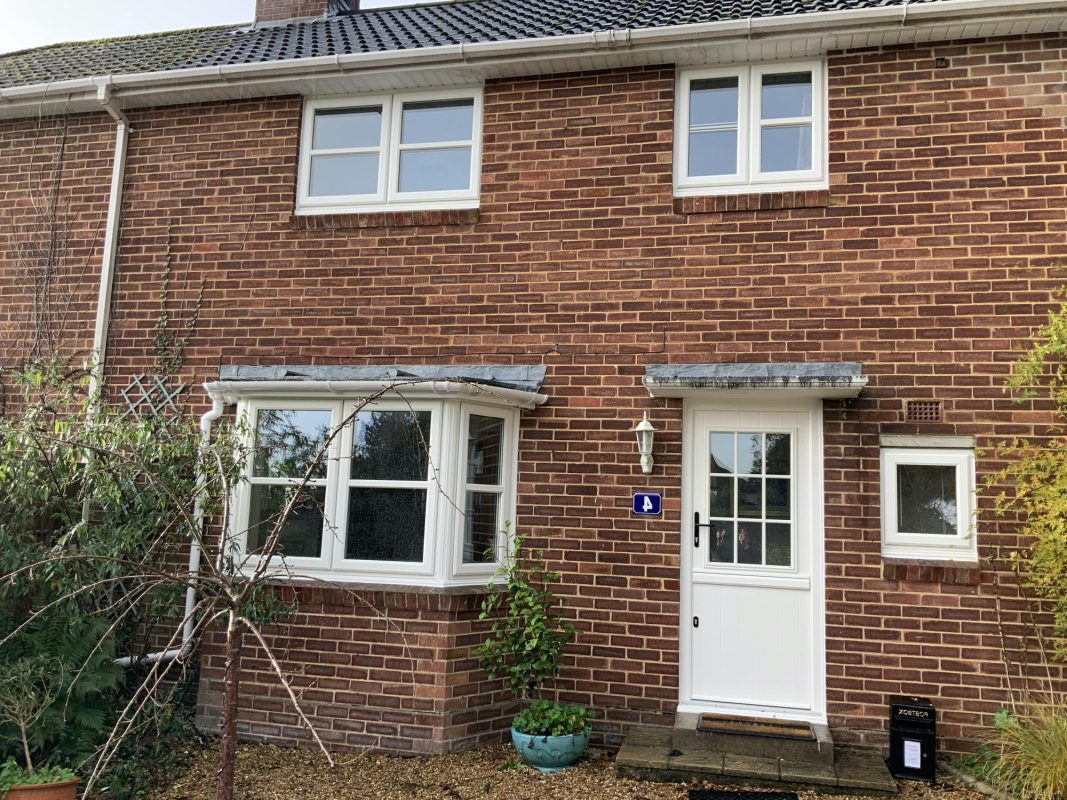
(400,474)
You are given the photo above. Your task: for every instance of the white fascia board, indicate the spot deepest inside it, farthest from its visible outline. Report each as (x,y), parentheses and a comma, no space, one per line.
(231,392)
(895,24)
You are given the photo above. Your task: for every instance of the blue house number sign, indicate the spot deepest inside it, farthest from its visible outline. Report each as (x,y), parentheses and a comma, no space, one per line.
(647,504)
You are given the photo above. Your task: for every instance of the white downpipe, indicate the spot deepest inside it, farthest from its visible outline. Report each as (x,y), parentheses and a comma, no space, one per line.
(218,405)
(111,243)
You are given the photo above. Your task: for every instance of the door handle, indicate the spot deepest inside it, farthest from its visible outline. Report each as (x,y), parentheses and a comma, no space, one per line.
(696,528)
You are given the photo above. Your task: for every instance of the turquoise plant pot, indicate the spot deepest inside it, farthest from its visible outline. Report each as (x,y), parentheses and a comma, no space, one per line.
(550,753)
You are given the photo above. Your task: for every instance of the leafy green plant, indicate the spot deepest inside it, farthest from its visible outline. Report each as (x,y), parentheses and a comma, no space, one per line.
(528,630)
(549,718)
(11,774)
(1031,753)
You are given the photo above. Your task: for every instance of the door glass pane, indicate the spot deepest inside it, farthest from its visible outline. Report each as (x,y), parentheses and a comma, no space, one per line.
(779,545)
(386,524)
(435,170)
(778,505)
(712,153)
(778,453)
(391,446)
(713,101)
(722,497)
(749,453)
(289,441)
(749,497)
(926,499)
(480,528)
(301,535)
(722,452)
(786,95)
(750,543)
(437,121)
(347,127)
(722,542)
(344,175)
(484,442)
(785,148)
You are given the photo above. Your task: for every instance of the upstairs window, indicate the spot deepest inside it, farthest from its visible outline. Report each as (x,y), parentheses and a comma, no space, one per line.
(750,129)
(404,151)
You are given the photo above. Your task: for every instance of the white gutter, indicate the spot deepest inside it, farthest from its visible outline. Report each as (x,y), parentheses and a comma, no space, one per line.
(138,87)
(232,391)
(218,405)
(111,241)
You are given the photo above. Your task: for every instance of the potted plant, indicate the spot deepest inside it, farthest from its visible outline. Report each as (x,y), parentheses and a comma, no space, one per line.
(524,650)
(30,686)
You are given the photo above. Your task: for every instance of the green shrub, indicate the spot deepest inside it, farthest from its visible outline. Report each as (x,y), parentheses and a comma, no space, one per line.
(1031,754)
(550,718)
(11,774)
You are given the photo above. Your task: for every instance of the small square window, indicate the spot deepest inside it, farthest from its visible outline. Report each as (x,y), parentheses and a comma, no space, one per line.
(928,503)
(750,129)
(405,151)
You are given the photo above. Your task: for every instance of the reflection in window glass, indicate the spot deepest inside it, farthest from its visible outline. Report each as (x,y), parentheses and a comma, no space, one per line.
(750,453)
(484,441)
(722,542)
(289,442)
(347,128)
(713,101)
(391,446)
(712,153)
(722,452)
(301,534)
(437,121)
(435,170)
(480,528)
(779,545)
(386,524)
(335,175)
(750,543)
(926,499)
(786,95)
(785,148)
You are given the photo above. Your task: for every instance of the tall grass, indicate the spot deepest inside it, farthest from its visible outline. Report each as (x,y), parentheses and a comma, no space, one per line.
(1032,753)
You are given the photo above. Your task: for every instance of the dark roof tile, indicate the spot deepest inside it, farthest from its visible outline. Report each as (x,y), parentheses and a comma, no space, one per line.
(378,30)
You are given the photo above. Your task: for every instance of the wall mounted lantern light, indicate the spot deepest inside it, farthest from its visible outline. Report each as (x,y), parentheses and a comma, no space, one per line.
(645,432)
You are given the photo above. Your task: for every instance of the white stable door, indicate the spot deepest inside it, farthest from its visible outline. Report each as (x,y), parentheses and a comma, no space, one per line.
(754,590)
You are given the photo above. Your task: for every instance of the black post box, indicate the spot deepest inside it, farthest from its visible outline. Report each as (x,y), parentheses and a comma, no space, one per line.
(912,739)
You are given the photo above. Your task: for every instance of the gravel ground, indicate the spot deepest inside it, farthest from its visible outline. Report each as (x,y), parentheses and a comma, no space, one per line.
(495,773)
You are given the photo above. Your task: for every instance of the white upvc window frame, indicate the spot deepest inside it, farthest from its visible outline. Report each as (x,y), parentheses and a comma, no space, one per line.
(388,196)
(748,178)
(442,563)
(963,546)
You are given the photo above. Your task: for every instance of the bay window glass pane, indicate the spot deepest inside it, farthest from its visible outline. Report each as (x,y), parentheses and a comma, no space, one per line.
(344,175)
(750,543)
(301,534)
(722,452)
(786,96)
(484,442)
(480,528)
(712,153)
(785,148)
(338,128)
(288,442)
(778,454)
(713,101)
(437,121)
(926,499)
(436,170)
(391,446)
(779,545)
(385,524)
(722,543)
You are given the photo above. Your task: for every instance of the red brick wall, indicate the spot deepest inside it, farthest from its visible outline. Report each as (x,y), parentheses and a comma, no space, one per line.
(930,259)
(269,10)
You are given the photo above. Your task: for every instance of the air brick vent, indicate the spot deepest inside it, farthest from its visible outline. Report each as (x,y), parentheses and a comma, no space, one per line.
(922,411)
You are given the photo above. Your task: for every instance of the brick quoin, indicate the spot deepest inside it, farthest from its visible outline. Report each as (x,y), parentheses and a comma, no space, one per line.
(931,259)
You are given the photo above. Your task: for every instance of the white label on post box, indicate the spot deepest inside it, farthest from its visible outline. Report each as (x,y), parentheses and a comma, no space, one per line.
(912,754)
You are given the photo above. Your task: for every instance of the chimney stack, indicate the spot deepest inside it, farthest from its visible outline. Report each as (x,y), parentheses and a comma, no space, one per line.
(274,10)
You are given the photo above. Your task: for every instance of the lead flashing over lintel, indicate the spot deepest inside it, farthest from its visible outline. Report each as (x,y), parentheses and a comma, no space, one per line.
(828,380)
(524,377)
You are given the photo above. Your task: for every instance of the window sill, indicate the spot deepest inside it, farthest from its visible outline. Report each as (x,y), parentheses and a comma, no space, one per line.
(383,219)
(753,201)
(951,573)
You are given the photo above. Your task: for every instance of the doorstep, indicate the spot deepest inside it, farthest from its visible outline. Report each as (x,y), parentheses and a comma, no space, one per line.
(683,755)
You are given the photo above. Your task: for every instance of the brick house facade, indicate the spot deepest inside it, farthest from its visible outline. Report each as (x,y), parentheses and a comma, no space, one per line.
(929,257)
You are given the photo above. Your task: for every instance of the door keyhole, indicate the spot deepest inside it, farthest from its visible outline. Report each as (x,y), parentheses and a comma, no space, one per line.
(696,622)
